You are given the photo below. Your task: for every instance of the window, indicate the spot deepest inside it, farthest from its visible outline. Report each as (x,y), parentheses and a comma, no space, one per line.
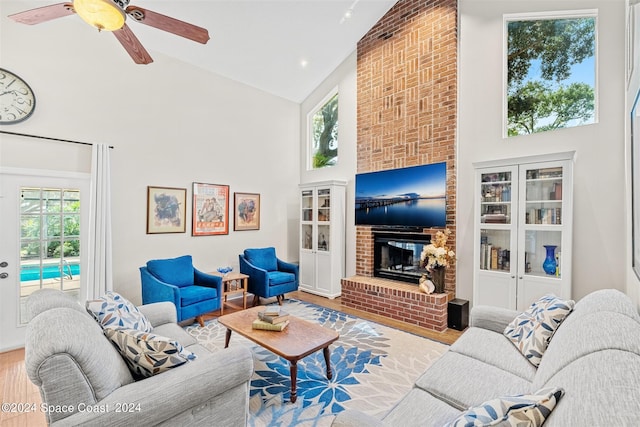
(323,133)
(550,71)
(49,240)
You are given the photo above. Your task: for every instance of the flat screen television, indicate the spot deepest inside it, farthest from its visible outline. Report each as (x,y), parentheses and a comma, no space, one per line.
(411,197)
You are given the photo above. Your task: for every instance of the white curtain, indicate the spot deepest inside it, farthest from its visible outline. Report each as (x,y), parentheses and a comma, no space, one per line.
(99,271)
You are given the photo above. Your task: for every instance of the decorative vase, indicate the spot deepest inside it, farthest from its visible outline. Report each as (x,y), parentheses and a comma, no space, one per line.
(437,277)
(549,265)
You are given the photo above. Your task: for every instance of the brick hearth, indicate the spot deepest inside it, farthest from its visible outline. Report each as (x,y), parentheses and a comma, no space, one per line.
(397,300)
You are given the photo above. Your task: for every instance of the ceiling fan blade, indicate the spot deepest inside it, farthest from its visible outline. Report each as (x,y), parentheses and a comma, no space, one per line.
(132,45)
(166,23)
(43,14)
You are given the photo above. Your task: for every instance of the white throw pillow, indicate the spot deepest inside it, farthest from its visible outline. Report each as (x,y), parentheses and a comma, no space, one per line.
(148,354)
(527,410)
(114,311)
(532,330)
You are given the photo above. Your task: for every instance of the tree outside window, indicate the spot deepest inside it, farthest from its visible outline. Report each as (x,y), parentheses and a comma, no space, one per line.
(323,125)
(550,73)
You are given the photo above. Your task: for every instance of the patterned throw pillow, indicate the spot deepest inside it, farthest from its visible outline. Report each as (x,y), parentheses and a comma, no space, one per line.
(532,330)
(114,311)
(527,410)
(148,354)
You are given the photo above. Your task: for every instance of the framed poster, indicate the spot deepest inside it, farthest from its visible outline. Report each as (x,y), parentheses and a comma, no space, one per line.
(246,207)
(166,210)
(210,209)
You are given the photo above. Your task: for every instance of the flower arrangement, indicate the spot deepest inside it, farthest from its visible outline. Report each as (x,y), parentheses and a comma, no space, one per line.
(437,254)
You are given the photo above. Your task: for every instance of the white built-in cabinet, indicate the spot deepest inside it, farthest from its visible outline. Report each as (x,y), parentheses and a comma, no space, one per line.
(322,237)
(522,207)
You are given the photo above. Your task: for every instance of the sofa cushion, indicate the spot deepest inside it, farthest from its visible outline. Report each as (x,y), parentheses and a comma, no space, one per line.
(264,258)
(481,383)
(519,410)
(175,271)
(532,330)
(494,349)
(114,311)
(601,389)
(148,354)
(417,408)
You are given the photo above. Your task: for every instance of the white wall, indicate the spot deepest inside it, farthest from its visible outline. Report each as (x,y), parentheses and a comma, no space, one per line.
(344,78)
(600,231)
(170,124)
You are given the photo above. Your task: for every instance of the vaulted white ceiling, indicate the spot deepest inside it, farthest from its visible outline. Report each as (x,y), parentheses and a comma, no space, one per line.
(284,47)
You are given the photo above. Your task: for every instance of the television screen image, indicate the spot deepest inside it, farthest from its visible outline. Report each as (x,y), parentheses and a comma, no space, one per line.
(414,196)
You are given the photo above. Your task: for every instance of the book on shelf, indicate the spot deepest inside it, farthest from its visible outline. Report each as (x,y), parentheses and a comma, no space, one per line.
(283,316)
(261,324)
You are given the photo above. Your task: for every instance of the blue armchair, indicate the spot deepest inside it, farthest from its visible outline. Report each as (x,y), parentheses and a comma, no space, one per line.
(191,291)
(268,275)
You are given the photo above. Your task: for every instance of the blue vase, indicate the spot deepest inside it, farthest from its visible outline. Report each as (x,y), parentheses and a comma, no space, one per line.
(549,265)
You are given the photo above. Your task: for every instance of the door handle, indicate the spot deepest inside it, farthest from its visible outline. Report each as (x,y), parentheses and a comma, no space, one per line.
(3,264)
(4,275)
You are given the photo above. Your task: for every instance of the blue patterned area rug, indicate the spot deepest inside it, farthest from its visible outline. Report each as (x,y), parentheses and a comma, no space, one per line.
(373,367)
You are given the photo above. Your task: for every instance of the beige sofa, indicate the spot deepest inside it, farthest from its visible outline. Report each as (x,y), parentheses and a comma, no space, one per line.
(594,356)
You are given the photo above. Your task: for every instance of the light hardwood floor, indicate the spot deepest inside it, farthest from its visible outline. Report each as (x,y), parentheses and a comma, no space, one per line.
(17,388)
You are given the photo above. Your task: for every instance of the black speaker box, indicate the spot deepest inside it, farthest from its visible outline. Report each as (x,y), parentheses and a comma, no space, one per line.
(458,314)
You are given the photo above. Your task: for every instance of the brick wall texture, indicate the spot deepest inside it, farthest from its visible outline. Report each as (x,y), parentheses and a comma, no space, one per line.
(407,102)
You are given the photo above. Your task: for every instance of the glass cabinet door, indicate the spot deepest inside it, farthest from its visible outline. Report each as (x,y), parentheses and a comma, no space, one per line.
(496,218)
(495,204)
(324,224)
(306,227)
(542,216)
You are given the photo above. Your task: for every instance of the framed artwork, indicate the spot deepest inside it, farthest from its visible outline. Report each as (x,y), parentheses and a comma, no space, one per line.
(247,211)
(166,210)
(210,209)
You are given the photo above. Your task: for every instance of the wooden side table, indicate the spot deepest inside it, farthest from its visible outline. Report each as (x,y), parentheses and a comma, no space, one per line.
(233,283)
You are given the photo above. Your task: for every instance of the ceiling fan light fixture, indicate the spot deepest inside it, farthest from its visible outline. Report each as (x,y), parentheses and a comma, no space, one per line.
(105,15)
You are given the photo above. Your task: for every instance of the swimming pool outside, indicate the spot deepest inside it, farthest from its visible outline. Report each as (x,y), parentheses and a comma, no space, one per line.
(49,271)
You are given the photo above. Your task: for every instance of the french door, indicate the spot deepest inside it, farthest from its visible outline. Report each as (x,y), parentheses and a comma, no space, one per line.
(43,218)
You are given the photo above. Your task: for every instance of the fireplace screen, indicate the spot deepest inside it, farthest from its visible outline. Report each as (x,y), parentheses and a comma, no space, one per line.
(397,257)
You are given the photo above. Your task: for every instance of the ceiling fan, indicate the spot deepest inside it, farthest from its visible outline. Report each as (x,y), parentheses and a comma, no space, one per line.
(110,15)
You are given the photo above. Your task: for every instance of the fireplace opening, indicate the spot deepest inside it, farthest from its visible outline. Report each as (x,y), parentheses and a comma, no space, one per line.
(397,256)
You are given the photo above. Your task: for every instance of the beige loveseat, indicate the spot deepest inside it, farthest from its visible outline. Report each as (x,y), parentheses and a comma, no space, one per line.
(84,380)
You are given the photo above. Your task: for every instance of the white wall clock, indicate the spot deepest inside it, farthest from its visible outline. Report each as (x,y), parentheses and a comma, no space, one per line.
(17,100)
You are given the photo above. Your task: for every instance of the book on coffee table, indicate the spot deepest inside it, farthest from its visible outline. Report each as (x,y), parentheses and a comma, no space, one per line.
(261,324)
(272,310)
(273,319)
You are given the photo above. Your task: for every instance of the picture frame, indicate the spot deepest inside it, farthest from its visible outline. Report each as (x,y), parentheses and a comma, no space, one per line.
(246,208)
(166,210)
(210,214)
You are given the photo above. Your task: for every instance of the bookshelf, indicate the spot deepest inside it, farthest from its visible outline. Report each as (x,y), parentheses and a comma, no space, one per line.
(322,234)
(523,217)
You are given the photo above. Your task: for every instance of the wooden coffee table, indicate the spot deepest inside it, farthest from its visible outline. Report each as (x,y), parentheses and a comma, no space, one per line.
(298,340)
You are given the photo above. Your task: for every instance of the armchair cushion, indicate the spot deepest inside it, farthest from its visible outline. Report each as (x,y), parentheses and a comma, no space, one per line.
(264,258)
(114,311)
(176,271)
(279,277)
(148,354)
(194,294)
